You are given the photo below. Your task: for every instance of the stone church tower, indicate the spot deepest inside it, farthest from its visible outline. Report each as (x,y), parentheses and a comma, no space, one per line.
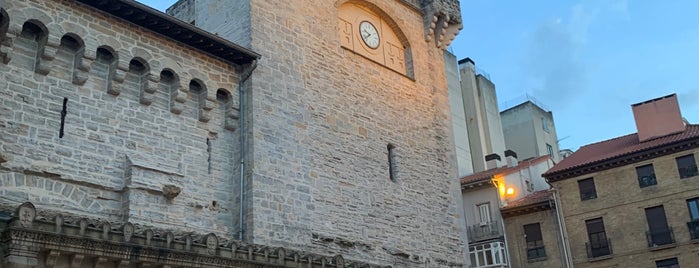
(351,148)
(273,134)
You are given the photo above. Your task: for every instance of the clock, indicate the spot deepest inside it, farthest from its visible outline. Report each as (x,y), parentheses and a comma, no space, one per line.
(369,34)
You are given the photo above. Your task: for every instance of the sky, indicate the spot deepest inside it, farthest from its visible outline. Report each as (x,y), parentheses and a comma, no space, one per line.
(586,61)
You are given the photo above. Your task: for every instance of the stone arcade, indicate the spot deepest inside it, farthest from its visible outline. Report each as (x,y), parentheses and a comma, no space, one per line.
(129,138)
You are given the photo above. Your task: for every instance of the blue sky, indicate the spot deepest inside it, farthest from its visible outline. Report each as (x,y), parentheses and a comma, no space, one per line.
(587,61)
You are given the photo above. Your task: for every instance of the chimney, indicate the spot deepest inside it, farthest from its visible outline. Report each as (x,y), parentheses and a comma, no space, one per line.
(492,161)
(657,117)
(511,158)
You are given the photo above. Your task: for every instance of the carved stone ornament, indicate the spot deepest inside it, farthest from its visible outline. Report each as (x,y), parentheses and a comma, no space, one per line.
(26,213)
(83,226)
(59,223)
(211,244)
(339,261)
(128,232)
(171,191)
(149,237)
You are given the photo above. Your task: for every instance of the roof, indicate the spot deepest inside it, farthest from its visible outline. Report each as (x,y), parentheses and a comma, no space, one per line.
(488,174)
(175,29)
(530,203)
(621,151)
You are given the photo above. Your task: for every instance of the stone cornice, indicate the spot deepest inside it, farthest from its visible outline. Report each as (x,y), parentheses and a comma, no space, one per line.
(622,160)
(114,242)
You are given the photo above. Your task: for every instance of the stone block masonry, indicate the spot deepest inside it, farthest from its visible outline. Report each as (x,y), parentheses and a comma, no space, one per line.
(322,118)
(103,119)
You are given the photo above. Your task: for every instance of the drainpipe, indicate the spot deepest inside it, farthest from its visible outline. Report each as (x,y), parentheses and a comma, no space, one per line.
(241,102)
(562,229)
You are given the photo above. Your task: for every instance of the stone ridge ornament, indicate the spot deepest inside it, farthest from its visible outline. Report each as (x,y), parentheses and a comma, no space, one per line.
(26,213)
(128,231)
(211,244)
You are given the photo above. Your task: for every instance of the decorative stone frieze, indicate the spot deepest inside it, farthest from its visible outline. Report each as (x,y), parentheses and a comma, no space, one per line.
(80,241)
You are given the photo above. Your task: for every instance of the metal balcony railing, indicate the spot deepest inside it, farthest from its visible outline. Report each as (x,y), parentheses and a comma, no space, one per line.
(660,237)
(479,232)
(693,229)
(599,248)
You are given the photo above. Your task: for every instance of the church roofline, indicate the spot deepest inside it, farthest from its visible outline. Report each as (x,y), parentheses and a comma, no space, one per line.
(175,29)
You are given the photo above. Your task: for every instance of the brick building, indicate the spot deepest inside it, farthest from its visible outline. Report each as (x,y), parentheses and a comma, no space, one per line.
(272,134)
(633,201)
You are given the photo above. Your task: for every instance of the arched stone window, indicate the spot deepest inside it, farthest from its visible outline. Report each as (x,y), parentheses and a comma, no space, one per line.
(30,44)
(4,26)
(197,92)
(170,83)
(105,66)
(136,78)
(69,56)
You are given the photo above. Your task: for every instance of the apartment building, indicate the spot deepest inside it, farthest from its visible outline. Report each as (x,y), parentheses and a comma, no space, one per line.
(633,201)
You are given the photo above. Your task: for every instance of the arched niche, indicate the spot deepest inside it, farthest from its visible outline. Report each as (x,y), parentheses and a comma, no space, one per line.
(30,44)
(69,55)
(391,49)
(136,78)
(197,91)
(104,66)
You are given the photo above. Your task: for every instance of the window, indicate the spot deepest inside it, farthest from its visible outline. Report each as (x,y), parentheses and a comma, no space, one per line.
(391,162)
(587,189)
(693,224)
(659,233)
(484,213)
(488,255)
(545,124)
(535,243)
(599,245)
(667,263)
(686,166)
(549,148)
(646,176)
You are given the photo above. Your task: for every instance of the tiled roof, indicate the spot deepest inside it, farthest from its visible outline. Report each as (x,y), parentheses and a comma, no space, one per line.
(618,148)
(488,174)
(534,198)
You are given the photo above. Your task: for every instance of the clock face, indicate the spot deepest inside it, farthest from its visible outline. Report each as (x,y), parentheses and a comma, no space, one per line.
(369,34)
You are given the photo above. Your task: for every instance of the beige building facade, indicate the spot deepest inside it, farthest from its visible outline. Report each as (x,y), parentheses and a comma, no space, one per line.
(530,131)
(247,134)
(633,201)
(483,125)
(533,231)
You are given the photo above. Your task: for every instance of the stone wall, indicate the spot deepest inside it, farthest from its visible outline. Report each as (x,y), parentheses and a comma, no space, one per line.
(104,119)
(322,118)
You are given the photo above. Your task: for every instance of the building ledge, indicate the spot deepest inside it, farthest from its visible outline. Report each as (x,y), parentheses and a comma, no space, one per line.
(537,259)
(600,258)
(661,247)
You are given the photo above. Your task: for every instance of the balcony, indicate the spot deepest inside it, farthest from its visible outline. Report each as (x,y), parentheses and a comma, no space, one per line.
(693,229)
(488,255)
(658,238)
(688,171)
(480,232)
(599,248)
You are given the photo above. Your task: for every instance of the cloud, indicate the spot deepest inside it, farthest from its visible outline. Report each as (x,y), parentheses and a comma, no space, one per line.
(554,64)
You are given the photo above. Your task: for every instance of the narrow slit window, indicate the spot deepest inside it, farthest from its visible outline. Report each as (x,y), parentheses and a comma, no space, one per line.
(208,152)
(391,162)
(64,112)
